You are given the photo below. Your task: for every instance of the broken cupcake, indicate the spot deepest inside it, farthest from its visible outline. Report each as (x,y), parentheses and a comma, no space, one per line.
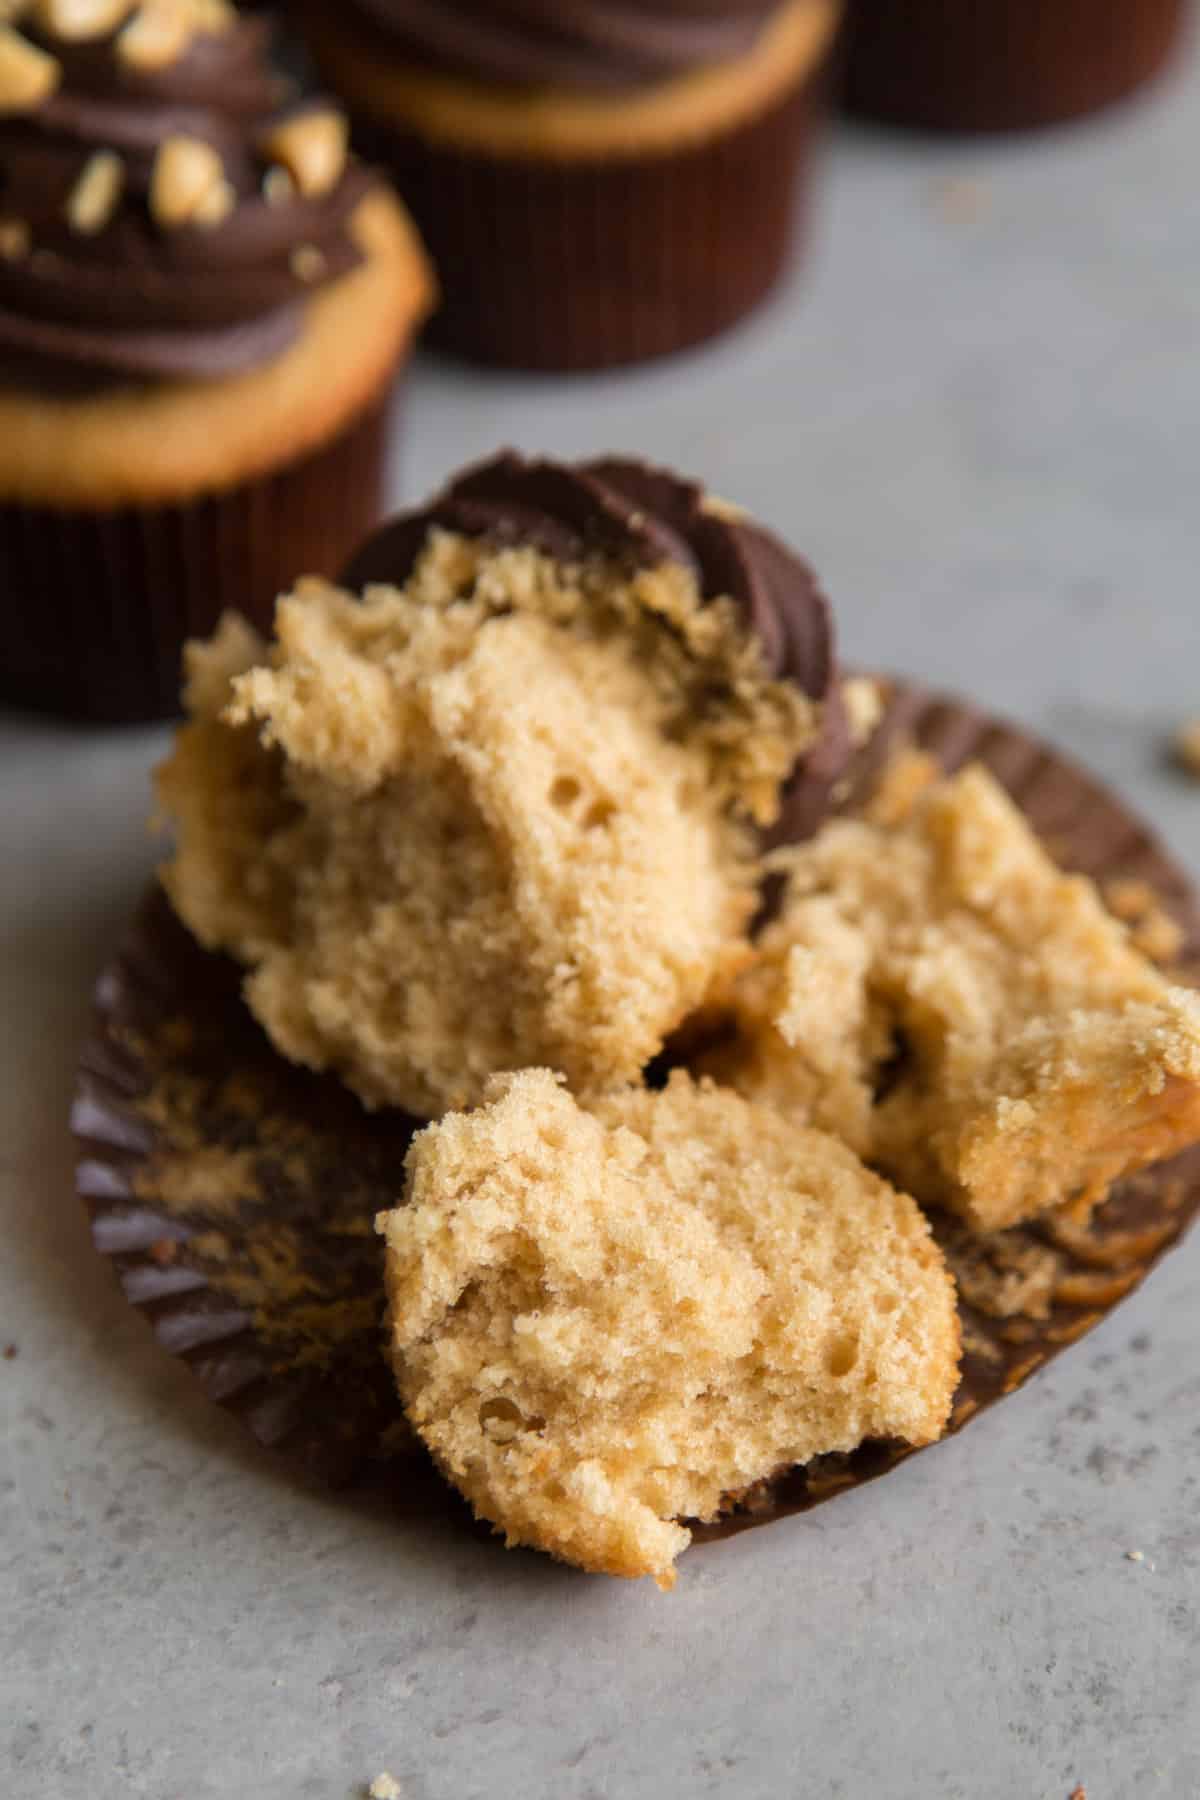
(268,1282)
(972,1020)
(505,809)
(605,1322)
(486,827)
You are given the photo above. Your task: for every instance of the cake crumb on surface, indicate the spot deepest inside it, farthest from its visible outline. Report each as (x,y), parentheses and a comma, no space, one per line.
(385,1787)
(504,816)
(1185,747)
(939,994)
(961,199)
(604,1322)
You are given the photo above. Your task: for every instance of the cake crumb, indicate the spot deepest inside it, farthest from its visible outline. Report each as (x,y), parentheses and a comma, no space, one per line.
(385,1787)
(1186,748)
(961,199)
(1129,899)
(1158,937)
(1078,1793)
(1152,930)
(10,1352)
(1139,1556)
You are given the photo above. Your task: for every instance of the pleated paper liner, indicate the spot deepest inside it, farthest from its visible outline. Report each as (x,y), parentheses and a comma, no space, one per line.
(574,265)
(98,605)
(1002,65)
(235,1194)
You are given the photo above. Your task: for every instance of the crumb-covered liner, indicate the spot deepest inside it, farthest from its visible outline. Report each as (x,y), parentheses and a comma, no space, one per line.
(234,1193)
(98,605)
(1002,65)
(571,265)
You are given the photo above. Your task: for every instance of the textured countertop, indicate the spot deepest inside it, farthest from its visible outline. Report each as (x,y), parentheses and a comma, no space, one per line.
(978,410)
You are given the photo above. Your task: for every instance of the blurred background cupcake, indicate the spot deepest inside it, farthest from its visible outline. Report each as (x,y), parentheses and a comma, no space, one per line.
(203,306)
(1002,65)
(598,181)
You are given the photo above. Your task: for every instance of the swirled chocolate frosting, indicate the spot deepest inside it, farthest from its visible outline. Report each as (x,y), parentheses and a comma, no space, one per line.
(114,265)
(643,516)
(572,43)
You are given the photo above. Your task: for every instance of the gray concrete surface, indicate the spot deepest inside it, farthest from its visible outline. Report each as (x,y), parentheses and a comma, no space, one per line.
(978,409)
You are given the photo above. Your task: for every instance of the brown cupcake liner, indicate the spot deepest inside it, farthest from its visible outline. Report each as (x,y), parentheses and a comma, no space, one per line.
(98,605)
(573,265)
(235,1194)
(1002,65)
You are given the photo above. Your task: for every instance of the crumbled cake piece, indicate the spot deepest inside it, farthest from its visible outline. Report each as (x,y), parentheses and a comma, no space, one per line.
(1152,930)
(937,992)
(604,1322)
(503,816)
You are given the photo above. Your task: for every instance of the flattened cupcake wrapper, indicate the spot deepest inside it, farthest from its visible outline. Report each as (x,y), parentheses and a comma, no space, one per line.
(573,265)
(1002,65)
(235,1194)
(98,605)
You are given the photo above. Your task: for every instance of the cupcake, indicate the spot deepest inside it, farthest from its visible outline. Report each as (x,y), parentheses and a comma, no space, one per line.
(600,183)
(1002,65)
(204,303)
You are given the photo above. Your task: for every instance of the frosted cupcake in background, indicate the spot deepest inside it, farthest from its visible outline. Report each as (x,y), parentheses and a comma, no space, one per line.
(599,182)
(204,302)
(1002,65)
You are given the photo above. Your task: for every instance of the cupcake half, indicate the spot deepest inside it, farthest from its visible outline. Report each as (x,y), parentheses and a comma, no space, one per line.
(204,302)
(504,809)
(599,183)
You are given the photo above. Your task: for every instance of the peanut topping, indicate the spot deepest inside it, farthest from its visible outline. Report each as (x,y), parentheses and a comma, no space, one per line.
(188,185)
(216,205)
(74,21)
(312,148)
(156,36)
(97,194)
(27,75)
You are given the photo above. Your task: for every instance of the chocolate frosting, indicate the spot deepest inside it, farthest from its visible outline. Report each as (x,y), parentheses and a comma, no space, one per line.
(571,43)
(134,299)
(644,516)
